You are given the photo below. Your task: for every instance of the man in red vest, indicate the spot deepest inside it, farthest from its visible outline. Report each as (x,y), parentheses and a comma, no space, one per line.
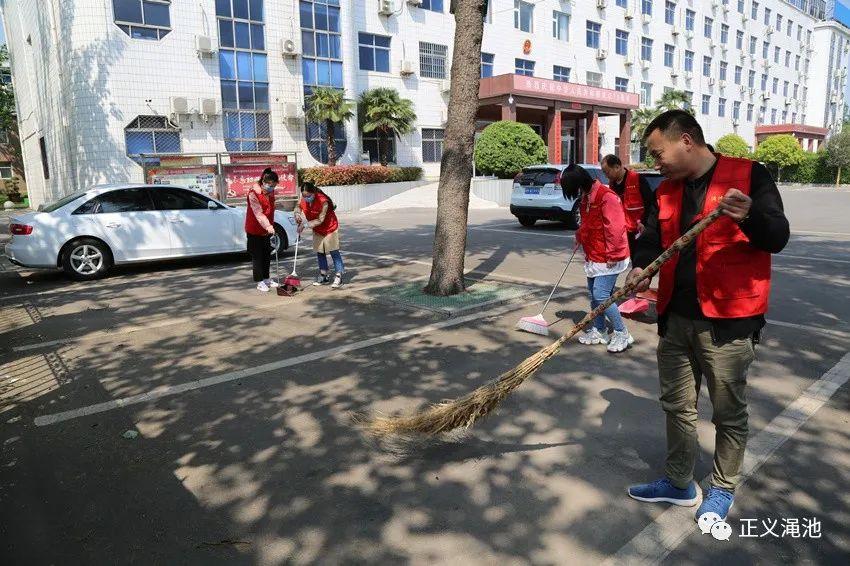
(712,298)
(634,191)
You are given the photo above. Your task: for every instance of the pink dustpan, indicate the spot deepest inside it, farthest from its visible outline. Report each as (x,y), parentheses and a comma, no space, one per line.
(634,306)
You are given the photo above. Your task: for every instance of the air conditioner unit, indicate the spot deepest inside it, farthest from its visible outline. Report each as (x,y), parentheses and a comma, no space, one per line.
(787,102)
(721,84)
(743,89)
(688,75)
(735,122)
(711,81)
(715,3)
(406,68)
(724,49)
(209,107)
(386,7)
(645,65)
(725,9)
(414,3)
(646,19)
(292,110)
(289,48)
(628,62)
(674,74)
(179,105)
(629,14)
(445,87)
(834,99)
(204,46)
(765,96)
(711,44)
(769,31)
(601,54)
(689,35)
(601,4)
(765,63)
(675,32)
(752,92)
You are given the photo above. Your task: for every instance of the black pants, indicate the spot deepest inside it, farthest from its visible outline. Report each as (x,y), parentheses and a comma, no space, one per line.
(260,248)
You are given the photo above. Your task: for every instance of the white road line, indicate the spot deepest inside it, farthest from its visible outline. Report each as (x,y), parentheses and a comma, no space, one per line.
(811,258)
(661,537)
(807,233)
(524,232)
(809,328)
(169,390)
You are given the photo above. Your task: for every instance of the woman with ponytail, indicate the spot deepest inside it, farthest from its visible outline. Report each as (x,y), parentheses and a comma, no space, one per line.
(259,226)
(317,212)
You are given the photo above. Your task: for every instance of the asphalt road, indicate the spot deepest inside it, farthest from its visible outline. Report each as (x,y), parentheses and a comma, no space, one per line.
(170,415)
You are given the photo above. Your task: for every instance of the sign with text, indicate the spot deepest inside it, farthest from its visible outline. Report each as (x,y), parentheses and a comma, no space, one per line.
(239,178)
(200,178)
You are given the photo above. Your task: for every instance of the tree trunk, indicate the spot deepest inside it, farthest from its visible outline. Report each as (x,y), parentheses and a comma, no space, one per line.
(382,147)
(838,178)
(458,147)
(330,131)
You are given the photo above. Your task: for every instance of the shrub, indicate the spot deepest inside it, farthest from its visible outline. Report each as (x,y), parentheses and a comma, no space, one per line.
(781,151)
(358,175)
(807,170)
(733,145)
(504,148)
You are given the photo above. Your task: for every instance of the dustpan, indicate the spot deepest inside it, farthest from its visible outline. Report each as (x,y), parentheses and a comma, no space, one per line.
(292,280)
(634,306)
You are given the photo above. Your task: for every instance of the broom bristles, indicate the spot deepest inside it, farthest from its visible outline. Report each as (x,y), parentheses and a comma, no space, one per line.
(464,412)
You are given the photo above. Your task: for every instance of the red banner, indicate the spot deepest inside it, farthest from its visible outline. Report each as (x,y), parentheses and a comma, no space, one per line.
(238,179)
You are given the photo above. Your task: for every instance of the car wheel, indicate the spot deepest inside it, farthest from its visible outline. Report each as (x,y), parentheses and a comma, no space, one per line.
(573,221)
(527,221)
(86,259)
(280,243)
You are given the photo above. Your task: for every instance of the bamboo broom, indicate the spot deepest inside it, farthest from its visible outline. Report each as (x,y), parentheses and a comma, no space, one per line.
(466,411)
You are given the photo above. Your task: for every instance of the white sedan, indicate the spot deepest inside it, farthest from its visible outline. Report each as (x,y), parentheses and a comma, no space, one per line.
(89,231)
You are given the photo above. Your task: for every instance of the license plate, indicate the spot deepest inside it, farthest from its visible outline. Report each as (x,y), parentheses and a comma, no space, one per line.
(532,191)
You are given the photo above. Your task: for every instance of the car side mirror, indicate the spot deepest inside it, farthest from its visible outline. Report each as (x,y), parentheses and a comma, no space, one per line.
(212,205)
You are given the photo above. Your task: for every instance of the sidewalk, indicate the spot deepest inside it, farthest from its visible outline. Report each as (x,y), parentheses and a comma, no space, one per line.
(425,197)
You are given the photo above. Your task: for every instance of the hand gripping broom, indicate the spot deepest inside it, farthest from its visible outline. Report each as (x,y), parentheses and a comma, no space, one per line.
(466,411)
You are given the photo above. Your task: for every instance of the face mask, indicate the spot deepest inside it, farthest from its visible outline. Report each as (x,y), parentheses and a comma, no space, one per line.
(269,188)
(309,199)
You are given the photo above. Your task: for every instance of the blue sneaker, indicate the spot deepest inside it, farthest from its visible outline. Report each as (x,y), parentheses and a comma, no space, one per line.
(717,500)
(662,491)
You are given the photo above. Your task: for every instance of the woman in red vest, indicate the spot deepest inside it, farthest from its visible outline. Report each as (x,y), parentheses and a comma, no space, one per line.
(317,212)
(259,226)
(602,235)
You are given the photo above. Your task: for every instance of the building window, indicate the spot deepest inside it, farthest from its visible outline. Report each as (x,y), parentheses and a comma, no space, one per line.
(790,30)
(689,97)
(796,90)
(724,34)
(765,49)
(721,107)
(4,137)
(749,112)
(767,16)
(736,110)
(777,51)
(738,72)
(561,74)
(784,116)
(143,19)
(669,12)
(593,79)
(764,83)
(560,26)
(796,62)
(151,135)
(621,84)
(690,17)
(5,170)
(370,146)
(645,94)
(753,43)
(706,66)
(740,6)
(773,116)
(621,43)
(793,117)
(755,11)
(593,31)
(433,5)
(374,52)
(669,52)
(788,59)
(524,67)
(487,65)
(623,3)
(645,49)
(689,61)
(723,67)
(432,60)
(751,81)
(524,16)
(321,65)
(775,85)
(646,7)
(785,88)
(799,34)
(706,103)
(708,27)
(778,22)
(739,40)
(432,145)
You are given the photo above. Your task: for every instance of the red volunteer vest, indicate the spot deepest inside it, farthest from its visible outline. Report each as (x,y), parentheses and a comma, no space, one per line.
(733,277)
(313,210)
(592,227)
(632,201)
(252,225)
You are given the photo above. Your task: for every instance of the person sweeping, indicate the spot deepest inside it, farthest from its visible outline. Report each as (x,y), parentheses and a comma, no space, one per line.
(712,299)
(602,235)
(259,228)
(316,211)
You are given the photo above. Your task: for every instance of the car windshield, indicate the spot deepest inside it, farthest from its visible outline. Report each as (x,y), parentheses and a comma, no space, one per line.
(538,176)
(63,201)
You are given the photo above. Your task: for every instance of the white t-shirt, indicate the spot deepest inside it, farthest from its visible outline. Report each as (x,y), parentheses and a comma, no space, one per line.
(594,269)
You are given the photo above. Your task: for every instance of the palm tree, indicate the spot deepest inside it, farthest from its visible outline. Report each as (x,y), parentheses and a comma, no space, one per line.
(329,106)
(384,111)
(641,117)
(675,100)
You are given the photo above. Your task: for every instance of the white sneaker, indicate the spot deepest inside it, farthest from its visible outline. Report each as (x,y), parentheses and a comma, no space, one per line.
(337,281)
(593,336)
(262,287)
(272,284)
(321,279)
(619,341)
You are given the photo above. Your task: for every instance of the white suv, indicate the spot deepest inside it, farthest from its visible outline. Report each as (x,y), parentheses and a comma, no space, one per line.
(537,195)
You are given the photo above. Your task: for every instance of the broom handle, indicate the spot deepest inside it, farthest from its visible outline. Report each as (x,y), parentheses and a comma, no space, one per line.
(648,273)
(569,261)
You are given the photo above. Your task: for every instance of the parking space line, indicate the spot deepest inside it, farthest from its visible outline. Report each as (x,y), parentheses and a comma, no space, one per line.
(662,536)
(170,390)
(808,233)
(523,232)
(809,328)
(810,258)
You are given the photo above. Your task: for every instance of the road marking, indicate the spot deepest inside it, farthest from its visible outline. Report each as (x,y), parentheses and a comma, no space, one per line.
(524,233)
(807,233)
(811,258)
(661,537)
(169,390)
(805,327)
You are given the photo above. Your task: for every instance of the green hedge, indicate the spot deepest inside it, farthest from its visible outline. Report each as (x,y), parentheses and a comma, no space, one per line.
(504,148)
(813,169)
(325,176)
